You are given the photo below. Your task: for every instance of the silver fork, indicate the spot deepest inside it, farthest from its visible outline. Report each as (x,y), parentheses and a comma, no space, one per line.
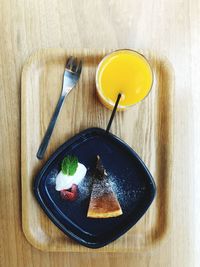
(70,78)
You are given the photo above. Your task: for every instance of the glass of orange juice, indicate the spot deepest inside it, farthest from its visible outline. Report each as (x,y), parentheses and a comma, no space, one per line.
(124,72)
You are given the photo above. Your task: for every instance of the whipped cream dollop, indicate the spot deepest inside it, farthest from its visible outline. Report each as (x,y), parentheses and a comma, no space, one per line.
(64,181)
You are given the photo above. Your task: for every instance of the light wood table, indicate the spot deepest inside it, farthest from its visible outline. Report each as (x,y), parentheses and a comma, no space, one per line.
(168,28)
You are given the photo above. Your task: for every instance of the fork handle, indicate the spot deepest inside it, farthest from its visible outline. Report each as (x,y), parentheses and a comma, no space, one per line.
(45,141)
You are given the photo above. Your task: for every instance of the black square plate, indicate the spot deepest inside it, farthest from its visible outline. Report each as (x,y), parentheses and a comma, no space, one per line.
(129,177)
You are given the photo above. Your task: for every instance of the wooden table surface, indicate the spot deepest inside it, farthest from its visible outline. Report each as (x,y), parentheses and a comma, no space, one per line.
(170,28)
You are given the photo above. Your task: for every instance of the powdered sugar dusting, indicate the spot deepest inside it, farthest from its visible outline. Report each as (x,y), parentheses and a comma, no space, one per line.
(124,193)
(51,177)
(85,188)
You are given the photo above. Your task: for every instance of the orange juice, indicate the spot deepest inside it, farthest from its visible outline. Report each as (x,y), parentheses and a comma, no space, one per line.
(126,72)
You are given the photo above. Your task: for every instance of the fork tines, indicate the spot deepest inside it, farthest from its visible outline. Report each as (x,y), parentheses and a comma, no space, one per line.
(73,65)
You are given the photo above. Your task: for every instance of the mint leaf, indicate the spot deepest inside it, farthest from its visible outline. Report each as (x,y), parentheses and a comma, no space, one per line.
(69,165)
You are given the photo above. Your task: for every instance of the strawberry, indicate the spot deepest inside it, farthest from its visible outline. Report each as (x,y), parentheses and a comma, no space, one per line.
(70,194)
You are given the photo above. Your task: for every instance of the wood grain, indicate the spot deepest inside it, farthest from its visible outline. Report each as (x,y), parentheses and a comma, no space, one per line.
(149,133)
(168,28)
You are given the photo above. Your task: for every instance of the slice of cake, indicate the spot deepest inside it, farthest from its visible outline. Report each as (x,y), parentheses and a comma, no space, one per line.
(103,201)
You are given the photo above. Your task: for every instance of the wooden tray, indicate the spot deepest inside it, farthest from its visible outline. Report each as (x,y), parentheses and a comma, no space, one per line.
(147,127)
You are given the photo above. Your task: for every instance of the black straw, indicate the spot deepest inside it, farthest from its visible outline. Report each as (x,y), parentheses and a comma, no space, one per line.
(113,113)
